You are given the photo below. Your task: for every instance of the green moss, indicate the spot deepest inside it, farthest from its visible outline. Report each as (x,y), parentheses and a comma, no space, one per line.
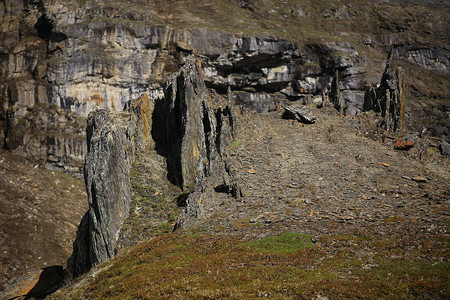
(164,228)
(153,209)
(311,64)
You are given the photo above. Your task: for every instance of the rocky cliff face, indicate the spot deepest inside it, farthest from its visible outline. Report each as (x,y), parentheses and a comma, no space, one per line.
(79,57)
(103,54)
(189,126)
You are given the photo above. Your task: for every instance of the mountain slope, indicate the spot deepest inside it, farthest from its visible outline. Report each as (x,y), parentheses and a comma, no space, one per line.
(364,221)
(61,59)
(39,212)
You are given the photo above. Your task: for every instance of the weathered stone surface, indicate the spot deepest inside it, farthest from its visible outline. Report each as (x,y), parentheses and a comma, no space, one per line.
(107,63)
(444,147)
(98,55)
(387,98)
(55,136)
(335,94)
(431,58)
(191,127)
(107,167)
(301,114)
(401,144)
(259,102)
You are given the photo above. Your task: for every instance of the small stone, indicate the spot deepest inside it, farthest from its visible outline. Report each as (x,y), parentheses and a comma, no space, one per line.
(301,114)
(403,145)
(371,266)
(445,148)
(419,179)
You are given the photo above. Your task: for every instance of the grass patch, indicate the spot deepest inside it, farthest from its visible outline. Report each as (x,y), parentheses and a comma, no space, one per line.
(394,219)
(200,266)
(283,243)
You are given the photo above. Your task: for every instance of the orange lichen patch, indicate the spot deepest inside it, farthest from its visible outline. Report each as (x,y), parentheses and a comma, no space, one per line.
(403,145)
(143,108)
(97,98)
(199,63)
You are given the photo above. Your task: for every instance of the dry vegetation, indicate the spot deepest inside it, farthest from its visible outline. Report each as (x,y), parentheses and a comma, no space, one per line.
(287,266)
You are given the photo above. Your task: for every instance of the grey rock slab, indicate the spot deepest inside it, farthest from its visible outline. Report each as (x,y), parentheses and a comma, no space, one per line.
(301,114)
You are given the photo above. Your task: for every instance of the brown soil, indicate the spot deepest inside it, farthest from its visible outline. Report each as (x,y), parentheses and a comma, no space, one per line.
(39,213)
(328,178)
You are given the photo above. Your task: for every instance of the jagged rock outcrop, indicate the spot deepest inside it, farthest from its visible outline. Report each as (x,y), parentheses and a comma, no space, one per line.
(196,130)
(107,165)
(193,129)
(190,127)
(387,98)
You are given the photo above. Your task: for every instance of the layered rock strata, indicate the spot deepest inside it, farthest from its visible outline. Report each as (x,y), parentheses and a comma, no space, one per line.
(98,54)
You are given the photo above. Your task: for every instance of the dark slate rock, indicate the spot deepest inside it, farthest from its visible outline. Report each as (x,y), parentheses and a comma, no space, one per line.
(106,173)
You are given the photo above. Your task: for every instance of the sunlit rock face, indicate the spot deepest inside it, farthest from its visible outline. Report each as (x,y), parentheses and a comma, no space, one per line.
(79,57)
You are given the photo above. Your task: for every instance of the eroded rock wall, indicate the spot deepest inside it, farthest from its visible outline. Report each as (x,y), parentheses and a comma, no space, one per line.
(79,55)
(190,127)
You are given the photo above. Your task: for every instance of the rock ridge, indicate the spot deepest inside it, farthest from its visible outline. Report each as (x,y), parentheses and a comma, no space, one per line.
(191,127)
(107,165)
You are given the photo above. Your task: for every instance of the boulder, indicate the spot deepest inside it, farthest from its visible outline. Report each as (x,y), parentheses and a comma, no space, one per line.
(301,114)
(444,147)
